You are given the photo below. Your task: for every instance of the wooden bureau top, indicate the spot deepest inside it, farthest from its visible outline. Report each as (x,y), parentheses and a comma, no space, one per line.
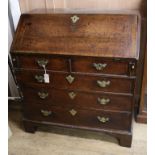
(98,35)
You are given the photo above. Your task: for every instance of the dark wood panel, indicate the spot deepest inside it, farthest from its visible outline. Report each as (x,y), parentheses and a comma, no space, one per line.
(87,118)
(87,83)
(93,35)
(32,62)
(84,100)
(102,66)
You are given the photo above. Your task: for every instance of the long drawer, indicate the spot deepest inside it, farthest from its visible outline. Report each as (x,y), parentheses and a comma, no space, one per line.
(77,117)
(77,82)
(72,98)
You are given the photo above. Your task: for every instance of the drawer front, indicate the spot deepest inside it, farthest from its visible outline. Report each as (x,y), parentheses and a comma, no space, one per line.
(66,98)
(92,83)
(78,82)
(101,66)
(37,62)
(78,117)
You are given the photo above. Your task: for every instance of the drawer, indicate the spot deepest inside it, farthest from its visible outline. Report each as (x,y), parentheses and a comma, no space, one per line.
(92,83)
(102,66)
(73,98)
(35,62)
(78,82)
(77,117)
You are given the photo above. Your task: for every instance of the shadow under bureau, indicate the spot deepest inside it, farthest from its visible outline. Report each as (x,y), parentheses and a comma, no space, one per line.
(78,70)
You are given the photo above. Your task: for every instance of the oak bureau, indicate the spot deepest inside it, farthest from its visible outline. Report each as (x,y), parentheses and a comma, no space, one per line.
(78,70)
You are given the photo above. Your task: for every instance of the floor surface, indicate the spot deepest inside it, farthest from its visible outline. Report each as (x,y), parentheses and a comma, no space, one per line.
(64,141)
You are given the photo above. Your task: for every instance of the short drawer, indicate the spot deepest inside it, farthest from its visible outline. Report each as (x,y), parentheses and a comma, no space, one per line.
(78,82)
(77,117)
(36,62)
(102,66)
(73,98)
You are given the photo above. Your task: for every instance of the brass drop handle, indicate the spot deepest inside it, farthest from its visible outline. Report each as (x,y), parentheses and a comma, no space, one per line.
(46,113)
(74,19)
(42,62)
(103,119)
(99,66)
(103,101)
(43,95)
(103,83)
(39,78)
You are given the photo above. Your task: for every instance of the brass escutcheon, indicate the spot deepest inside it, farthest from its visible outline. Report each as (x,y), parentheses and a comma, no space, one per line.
(74,19)
(72,95)
(73,112)
(70,79)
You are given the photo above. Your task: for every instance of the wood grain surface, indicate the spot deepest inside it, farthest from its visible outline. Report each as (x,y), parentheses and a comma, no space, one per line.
(83,100)
(93,35)
(71,49)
